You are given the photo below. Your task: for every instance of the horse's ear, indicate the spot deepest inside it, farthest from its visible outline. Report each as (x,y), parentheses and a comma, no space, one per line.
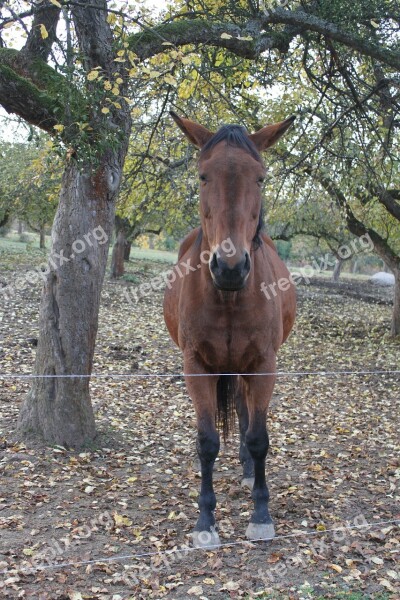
(269,135)
(196,133)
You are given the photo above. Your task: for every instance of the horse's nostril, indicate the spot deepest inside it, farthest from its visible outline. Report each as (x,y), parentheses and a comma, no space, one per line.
(247,261)
(214,262)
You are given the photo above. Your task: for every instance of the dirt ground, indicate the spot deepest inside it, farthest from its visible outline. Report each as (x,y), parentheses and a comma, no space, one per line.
(99,524)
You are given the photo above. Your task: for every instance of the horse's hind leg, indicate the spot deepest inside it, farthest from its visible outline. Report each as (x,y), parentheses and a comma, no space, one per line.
(203,392)
(244,454)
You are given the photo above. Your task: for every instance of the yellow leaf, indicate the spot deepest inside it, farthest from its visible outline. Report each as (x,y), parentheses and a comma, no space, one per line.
(336,568)
(131,479)
(132,57)
(115,91)
(43,32)
(120,520)
(226,36)
(55,3)
(374,24)
(231,586)
(27,551)
(92,75)
(59,127)
(196,590)
(321,527)
(105,110)
(169,79)
(107,85)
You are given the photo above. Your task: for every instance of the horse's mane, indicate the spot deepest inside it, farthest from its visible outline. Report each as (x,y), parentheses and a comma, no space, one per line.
(234,135)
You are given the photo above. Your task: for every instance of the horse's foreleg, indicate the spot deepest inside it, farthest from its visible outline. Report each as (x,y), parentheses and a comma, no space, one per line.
(244,454)
(203,392)
(258,394)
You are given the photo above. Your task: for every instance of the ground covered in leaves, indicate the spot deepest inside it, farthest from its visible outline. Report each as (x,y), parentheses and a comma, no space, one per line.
(114,521)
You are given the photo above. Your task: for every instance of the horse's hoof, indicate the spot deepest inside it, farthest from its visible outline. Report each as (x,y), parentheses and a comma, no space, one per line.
(209,540)
(248,482)
(260,531)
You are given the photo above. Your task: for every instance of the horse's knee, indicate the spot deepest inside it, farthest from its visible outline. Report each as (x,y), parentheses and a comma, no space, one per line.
(257,442)
(208,445)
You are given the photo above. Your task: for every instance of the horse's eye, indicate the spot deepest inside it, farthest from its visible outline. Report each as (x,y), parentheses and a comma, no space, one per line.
(202,177)
(261,180)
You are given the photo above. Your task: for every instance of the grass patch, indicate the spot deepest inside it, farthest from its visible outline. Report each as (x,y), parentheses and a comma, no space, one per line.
(154,255)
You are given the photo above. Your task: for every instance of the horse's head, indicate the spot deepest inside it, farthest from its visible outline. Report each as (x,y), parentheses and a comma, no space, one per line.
(231,174)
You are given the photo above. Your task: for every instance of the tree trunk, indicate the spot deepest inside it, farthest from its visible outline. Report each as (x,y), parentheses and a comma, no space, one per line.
(58,409)
(127,250)
(20,227)
(395,327)
(337,269)
(117,260)
(42,240)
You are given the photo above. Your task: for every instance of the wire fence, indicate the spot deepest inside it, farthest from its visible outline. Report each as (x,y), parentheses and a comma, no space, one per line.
(191,549)
(182,375)
(147,555)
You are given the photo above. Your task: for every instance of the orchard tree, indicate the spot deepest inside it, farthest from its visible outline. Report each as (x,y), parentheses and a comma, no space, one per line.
(29,188)
(76,81)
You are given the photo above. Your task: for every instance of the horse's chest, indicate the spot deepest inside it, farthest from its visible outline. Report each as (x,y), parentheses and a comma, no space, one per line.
(232,342)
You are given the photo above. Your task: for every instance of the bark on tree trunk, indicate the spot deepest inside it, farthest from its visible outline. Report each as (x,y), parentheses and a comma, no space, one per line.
(20,227)
(127,250)
(117,260)
(337,269)
(42,240)
(395,327)
(58,409)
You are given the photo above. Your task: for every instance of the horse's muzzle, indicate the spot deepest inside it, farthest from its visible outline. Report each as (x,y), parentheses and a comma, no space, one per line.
(230,278)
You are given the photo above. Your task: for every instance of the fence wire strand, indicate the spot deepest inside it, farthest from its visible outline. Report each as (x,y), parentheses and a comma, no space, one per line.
(187,549)
(182,375)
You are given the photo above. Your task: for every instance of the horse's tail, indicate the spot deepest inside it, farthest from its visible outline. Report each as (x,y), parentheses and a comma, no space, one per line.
(226,391)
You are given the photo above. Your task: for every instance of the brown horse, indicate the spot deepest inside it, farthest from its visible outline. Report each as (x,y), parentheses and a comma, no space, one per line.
(229,305)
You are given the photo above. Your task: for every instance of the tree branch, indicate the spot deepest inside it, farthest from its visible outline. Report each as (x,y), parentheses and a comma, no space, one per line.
(308,22)
(151,41)
(36,46)
(35,91)
(356,227)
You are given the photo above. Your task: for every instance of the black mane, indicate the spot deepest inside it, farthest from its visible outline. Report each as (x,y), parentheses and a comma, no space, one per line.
(236,136)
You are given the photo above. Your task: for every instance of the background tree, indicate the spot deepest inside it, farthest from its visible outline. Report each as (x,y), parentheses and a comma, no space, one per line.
(29,188)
